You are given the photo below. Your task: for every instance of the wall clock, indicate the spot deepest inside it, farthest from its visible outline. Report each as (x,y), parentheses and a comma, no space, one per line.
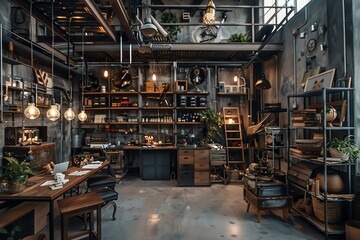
(311,45)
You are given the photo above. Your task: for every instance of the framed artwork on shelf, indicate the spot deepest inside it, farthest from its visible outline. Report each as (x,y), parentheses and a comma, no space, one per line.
(321,80)
(221,87)
(228,88)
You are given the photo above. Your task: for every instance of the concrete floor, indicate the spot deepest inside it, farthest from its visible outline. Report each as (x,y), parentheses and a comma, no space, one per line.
(161,210)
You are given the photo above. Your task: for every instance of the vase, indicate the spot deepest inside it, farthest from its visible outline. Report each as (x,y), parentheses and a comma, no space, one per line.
(334,182)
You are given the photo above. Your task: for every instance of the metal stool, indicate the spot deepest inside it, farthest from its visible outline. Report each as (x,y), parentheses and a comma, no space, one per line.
(81,204)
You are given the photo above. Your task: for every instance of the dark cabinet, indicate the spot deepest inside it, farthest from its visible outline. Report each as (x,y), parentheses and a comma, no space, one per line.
(156,164)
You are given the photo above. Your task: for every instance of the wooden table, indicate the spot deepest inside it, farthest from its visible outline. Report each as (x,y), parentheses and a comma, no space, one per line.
(35,192)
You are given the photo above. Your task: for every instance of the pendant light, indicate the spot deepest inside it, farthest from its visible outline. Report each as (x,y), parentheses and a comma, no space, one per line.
(31,111)
(209,17)
(82,115)
(69,113)
(53,113)
(106,72)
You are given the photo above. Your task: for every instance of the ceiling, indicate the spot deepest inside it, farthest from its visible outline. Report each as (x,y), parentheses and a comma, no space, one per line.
(100,29)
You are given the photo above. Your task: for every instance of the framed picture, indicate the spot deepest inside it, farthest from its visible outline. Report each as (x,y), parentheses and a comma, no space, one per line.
(228,88)
(235,89)
(221,87)
(321,80)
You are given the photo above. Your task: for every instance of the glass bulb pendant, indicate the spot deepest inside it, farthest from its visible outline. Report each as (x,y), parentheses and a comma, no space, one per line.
(69,114)
(53,113)
(31,111)
(82,116)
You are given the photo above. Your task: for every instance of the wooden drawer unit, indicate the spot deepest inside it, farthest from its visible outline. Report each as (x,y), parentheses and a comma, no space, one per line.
(201,167)
(195,163)
(201,178)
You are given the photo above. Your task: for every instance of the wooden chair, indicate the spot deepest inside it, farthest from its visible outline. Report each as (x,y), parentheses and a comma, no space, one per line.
(81,205)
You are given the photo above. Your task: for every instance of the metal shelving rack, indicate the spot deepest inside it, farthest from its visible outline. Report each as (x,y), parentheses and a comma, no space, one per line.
(325,94)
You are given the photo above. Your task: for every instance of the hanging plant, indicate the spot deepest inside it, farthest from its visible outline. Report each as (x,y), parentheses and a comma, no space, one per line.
(170,17)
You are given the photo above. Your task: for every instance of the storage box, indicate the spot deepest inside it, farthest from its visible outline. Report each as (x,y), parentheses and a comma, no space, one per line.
(150,86)
(352,229)
(181,86)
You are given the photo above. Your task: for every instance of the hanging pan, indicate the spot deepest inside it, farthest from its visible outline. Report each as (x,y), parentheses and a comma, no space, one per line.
(197,75)
(122,78)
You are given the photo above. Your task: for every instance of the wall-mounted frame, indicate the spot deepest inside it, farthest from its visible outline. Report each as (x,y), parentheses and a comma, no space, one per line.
(322,80)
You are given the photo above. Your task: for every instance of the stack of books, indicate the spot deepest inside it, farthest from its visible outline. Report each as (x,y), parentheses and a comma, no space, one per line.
(304,118)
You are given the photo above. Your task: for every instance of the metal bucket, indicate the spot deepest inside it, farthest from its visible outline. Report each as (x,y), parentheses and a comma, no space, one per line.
(76,141)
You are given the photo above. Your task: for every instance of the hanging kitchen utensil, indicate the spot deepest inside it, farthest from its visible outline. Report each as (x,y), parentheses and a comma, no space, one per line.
(197,75)
(122,78)
(92,84)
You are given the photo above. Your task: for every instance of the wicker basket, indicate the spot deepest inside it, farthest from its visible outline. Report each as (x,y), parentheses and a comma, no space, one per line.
(334,210)
(337,154)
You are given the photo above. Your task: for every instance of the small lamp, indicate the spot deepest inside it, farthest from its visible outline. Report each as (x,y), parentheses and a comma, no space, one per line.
(53,113)
(154,77)
(236,79)
(263,83)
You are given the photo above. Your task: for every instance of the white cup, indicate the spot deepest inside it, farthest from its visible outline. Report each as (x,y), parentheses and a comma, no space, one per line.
(60,177)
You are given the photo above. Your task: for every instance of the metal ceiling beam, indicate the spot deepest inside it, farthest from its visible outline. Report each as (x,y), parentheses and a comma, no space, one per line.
(188,47)
(95,11)
(25,5)
(193,10)
(124,19)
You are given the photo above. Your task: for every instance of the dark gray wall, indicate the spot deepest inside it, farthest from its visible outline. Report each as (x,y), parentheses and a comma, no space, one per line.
(292,61)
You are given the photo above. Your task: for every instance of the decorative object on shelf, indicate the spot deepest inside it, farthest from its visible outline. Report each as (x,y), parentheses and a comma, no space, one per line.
(213,123)
(345,149)
(122,78)
(330,115)
(162,97)
(15,174)
(321,80)
(197,75)
(241,37)
(334,182)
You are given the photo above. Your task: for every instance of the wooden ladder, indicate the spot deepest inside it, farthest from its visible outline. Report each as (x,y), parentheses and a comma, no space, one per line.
(235,147)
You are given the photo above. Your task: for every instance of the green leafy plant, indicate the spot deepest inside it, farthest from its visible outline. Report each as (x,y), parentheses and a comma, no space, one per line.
(241,37)
(170,17)
(16,171)
(346,146)
(10,235)
(213,123)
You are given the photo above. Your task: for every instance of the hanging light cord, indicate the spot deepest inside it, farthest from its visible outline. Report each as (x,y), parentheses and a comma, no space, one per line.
(52,40)
(31,44)
(83,65)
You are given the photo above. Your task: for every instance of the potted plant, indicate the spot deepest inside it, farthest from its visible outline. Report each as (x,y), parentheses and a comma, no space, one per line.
(345,149)
(212,122)
(16,174)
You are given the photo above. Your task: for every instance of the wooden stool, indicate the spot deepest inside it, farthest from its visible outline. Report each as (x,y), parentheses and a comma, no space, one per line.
(81,204)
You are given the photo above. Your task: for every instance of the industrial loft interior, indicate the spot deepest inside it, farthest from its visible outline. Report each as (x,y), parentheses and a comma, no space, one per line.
(192,119)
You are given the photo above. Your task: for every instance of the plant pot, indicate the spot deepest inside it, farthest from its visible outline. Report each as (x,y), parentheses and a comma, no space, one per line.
(337,154)
(16,187)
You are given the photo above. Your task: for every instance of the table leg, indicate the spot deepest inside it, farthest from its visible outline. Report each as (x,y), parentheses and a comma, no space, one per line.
(259,215)
(285,214)
(248,207)
(98,214)
(51,221)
